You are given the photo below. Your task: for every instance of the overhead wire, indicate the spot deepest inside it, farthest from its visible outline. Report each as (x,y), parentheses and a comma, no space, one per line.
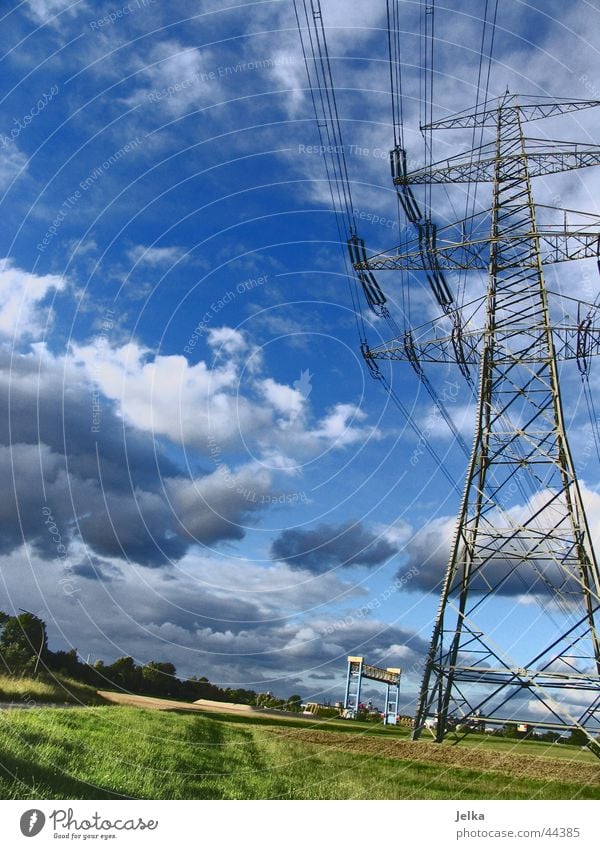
(487,34)
(420,434)
(334,115)
(592,413)
(340,209)
(391,53)
(397,99)
(327,114)
(316,56)
(480,101)
(425,229)
(395,70)
(584,362)
(327,119)
(426,90)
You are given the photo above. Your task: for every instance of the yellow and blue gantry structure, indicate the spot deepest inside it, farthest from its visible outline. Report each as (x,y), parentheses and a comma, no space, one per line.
(357,671)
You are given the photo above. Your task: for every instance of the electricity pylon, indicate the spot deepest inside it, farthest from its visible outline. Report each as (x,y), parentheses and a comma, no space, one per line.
(515,638)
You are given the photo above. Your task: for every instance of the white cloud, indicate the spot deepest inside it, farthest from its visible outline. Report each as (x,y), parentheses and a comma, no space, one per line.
(43,10)
(167,396)
(142,255)
(290,72)
(227,340)
(176,78)
(396,533)
(283,398)
(338,425)
(223,405)
(12,161)
(205,505)
(227,618)
(21,294)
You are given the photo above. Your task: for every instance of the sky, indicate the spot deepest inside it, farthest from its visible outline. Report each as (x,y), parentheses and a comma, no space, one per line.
(196,464)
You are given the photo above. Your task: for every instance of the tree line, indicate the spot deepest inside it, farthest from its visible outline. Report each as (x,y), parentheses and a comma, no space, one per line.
(24,652)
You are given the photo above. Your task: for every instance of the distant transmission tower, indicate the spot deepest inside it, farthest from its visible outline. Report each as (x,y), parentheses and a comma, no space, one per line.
(522,529)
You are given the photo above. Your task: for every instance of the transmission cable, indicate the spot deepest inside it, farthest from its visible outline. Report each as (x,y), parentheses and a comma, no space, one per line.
(480,101)
(329,126)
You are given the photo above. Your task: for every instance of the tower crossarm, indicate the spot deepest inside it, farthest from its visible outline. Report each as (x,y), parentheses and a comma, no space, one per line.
(478,165)
(514,108)
(555,245)
(443,349)
(525,678)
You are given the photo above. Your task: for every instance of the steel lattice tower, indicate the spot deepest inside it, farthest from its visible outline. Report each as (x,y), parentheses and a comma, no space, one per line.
(521,525)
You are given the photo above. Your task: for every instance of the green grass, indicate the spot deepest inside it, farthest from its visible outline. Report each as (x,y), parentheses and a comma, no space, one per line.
(57,689)
(112,752)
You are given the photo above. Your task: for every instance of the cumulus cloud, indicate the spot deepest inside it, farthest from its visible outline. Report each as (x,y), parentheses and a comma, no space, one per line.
(234,622)
(228,341)
(44,10)
(295,440)
(175,78)
(12,162)
(329,546)
(139,525)
(213,507)
(156,257)
(338,426)
(79,435)
(285,399)
(111,487)
(226,404)
(21,294)
(428,550)
(167,396)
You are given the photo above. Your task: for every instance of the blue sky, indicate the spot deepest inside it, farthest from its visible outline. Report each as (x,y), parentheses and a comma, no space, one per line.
(179,360)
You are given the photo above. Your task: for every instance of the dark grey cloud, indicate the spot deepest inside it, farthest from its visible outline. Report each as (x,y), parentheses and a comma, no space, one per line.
(428,552)
(42,401)
(328,546)
(221,634)
(95,569)
(107,484)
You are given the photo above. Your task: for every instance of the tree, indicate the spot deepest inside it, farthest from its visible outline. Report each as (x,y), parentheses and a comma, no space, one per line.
(240,696)
(159,678)
(23,643)
(294,702)
(66,663)
(125,673)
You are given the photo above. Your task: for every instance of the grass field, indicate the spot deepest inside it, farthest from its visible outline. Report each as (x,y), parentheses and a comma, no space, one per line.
(113,752)
(58,690)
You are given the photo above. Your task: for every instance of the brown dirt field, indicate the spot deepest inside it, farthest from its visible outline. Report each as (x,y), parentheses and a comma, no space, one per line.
(203,706)
(145,701)
(467,757)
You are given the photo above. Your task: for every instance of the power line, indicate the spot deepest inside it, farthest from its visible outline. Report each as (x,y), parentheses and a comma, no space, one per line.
(320,79)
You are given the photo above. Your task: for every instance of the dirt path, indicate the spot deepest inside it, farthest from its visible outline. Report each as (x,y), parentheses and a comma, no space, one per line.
(151,703)
(466,757)
(203,706)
